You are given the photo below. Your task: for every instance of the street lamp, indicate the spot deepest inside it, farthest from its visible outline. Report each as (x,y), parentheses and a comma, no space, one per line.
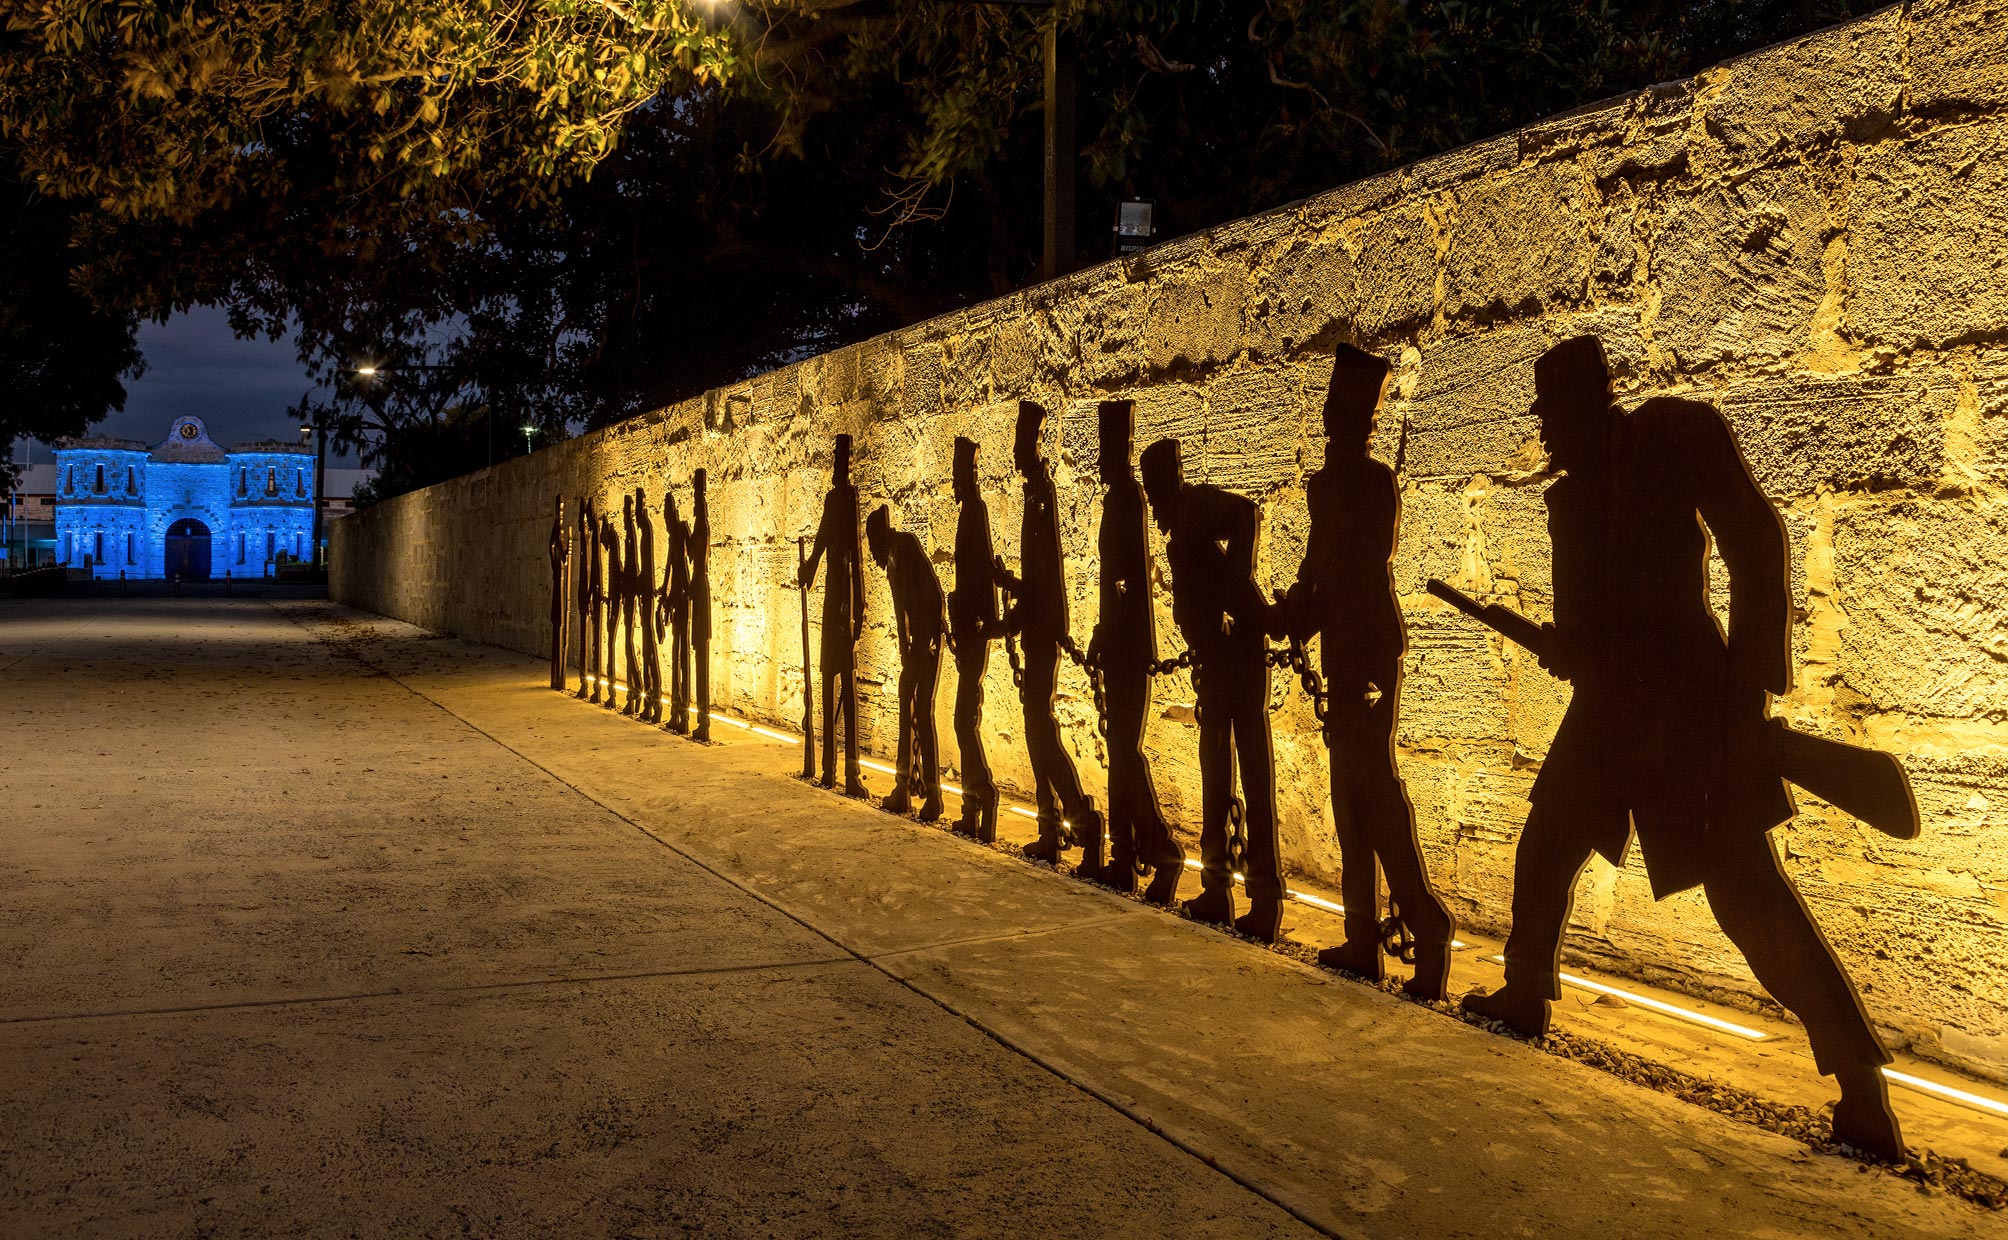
(320,431)
(528,430)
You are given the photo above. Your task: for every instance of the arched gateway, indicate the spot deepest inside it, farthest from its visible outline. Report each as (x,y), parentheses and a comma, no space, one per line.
(188,550)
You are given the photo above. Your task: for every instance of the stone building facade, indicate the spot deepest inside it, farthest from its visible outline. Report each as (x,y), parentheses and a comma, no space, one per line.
(184,506)
(1813,237)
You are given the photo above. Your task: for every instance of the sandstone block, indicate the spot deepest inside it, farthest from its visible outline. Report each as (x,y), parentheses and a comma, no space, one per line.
(1469,414)
(1740,269)
(1845,82)
(1804,433)
(1955,54)
(1195,320)
(1396,266)
(1308,288)
(1521,242)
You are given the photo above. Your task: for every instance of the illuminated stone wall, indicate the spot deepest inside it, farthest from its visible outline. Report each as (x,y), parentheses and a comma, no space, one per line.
(1814,237)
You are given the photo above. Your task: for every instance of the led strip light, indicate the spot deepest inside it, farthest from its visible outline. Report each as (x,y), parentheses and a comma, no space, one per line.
(1978,1102)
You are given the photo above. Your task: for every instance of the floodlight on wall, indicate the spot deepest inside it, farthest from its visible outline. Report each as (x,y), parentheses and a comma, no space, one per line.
(1136,225)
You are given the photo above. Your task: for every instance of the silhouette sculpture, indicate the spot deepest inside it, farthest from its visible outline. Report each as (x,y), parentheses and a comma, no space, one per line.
(650,684)
(558,609)
(808,665)
(1210,537)
(698,548)
(917,612)
(614,585)
(1038,616)
(1345,591)
(633,583)
(972,622)
(1123,647)
(1666,733)
(596,597)
(672,615)
(843,616)
(584,585)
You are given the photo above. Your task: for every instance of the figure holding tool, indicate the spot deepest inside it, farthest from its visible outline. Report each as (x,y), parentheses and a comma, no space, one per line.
(633,588)
(1667,735)
(843,617)
(972,621)
(675,619)
(613,584)
(650,684)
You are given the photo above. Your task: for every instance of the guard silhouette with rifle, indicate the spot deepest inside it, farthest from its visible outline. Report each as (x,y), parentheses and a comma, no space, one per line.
(1667,734)
(559,554)
(1122,650)
(650,683)
(1344,593)
(1038,617)
(843,616)
(698,552)
(972,621)
(1210,539)
(917,615)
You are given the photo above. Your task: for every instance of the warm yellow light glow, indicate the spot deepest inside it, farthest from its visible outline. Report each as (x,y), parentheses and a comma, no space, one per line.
(365,371)
(1976,1101)
(1663,1008)
(771,734)
(691,711)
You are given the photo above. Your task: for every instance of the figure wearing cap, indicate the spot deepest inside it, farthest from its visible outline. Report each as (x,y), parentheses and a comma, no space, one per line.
(1039,617)
(972,623)
(1210,539)
(615,586)
(917,616)
(1665,735)
(590,586)
(1124,645)
(843,616)
(1345,592)
(650,684)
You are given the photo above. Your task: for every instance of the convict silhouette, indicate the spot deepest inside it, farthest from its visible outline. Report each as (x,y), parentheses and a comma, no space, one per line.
(672,616)
(698,552)
(843,616)
(633,588)
(1345,592)
(972,622)
(614,583)
(589,600)
(650,684)
(1666,733)
(1038,615)
(1210,539)
(559,554)
(917,615)
(1123,647)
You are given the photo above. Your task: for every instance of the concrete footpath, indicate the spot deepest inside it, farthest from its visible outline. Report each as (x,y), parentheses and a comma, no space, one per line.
(312,922)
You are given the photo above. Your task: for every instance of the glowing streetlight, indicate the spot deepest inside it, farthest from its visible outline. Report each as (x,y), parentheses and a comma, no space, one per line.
(366,371)
(529,429)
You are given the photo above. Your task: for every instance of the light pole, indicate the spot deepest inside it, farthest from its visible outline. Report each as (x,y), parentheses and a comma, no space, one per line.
(528,430)
(320,432)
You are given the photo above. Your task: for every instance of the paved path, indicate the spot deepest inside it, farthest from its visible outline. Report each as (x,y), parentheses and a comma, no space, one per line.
(311,922)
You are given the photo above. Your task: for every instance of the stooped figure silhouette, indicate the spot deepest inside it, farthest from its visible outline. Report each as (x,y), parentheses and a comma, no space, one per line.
(1344,593)
(1210,539)
(1666,733)
(559,554)
(673,612)
(697,548)
(917,615)
(650,684)
(972,622)
(1124,645)
(843,616)
(590,601)
(1038,615)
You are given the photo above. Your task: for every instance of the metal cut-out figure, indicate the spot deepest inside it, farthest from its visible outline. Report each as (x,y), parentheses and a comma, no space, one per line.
(672,612)
(585,578)
(972,622)
(559,554)
(596,627)
(650,684)
(632,586)
(614,585)
(1123,646)
(1210,539)
(843,616)
(1667,735)
(1345,592)
(917,613)
(698,546)
(1038,615)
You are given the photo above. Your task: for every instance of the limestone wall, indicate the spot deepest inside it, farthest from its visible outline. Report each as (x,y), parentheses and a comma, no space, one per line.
(1815,237)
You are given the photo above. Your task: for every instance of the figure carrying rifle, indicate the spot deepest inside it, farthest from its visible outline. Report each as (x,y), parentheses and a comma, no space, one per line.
(1039,617)
(1210,539)
(1345,592)
(1666,732)
(1122,648)
(972,621)
(917,613)
(843,617)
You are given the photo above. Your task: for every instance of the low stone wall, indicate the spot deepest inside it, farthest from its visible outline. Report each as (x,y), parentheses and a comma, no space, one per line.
(1814,237)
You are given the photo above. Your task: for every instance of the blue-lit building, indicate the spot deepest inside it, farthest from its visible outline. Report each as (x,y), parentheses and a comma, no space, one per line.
(185,506)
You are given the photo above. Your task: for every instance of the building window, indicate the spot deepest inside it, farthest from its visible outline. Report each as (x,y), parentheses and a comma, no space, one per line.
(242,479)
(98,544)
(100,487)
(130,558)
(271,480)
(240,548)
(69,480)
(299,485)
(271,543)
(132,484)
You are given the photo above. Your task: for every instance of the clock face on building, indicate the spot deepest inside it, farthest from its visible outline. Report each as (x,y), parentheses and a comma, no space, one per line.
(188,430)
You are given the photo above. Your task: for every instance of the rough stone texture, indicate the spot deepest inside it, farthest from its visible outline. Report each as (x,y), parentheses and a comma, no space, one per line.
(1814,236)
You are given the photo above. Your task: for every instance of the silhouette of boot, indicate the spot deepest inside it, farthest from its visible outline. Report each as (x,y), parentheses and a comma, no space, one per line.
(1216,907)
(1359,957)
(1863,1117)
(897,802)
(930,809)
(854,785)
(1523,1012)
(986,826)
(1263,921)
(1053,840)
(1091,866)
(1120,873)
(1432,972)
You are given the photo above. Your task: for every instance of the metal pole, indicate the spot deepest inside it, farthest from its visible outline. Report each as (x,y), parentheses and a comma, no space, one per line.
(1060,154)
(320,483)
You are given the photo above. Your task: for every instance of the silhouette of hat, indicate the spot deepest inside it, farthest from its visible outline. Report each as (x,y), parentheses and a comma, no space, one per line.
(965,452)
(879,523)
(1118,426)
(1359,380)
(1575,366)
(1160,460)
(1031,420)
(842,451)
